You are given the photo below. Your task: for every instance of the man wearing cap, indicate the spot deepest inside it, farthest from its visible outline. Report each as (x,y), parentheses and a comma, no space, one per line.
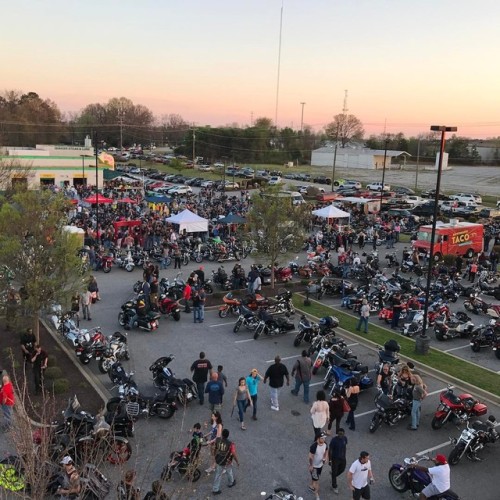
(318,455)
(71,486)
(253,385)
(358,476)
(440,477)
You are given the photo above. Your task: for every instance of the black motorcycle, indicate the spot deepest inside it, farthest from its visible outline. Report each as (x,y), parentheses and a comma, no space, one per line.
(307,331)
(221,279)
(184,389)
(247,318)
(389,411)
(272,325)
(484,336)
(148,322)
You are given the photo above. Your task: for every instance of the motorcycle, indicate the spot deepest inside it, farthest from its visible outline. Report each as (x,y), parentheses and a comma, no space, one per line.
(388,354)
(149,322)
(282,304)
(221,279)
(163,378)
(169,307)
(116,349)
(282,494)
(90,344)
(473,439)
(283,274)
(247,319)
(343,369)
(409,266)
(104,262)
(392,259)
(405,477)
(269,325)
(307,331)
(231,306)
(389,411)
(457,409)
(459,325)
(484,336)
(125,262)
(328,345)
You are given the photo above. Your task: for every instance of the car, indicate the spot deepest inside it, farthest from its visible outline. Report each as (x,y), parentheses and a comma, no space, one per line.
(474,198)
(206,184)
(399,212)
(425,210)
(403,190)
(412,200)
(322,179)
(218,165)
(290,176)
(230,185)
(248,173)
(205,168)
(352,184)
(179,190)
(377,186)
(191,182)
(274,180)
(261,173)
(490,213)
(135,170)
(301,189)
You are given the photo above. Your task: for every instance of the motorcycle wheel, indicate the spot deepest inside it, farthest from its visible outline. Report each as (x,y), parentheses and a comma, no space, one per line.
(237,326)
(456,454)
(121,319)
(497,353)
(181,398)
(208,289)
(398,480)
(314,371)
(176,315)
(84,360)
(129,268)
(437,423)
(193,475)
(199,258)
(297,340)
(476,347)
(439,336)
(256,335)
(164,411)
(223,313)
(468,306)
(166,475)
(211,257)
(375,423)
(185,262)
(104,365)
(106,269)
(119,452)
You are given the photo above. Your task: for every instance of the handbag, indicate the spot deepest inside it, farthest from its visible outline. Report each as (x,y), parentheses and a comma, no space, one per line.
(345,406)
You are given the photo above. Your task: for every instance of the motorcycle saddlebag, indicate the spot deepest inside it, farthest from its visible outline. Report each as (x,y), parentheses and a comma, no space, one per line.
(479,409)
(383,402)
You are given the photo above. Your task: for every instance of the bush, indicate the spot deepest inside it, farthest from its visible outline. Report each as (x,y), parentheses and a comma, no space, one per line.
(52,360)
(60,385)
(53,372)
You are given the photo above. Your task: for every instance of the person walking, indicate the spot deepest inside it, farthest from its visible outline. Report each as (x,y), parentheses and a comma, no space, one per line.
(86,299)
(336,405)
(364,316)
(243,399)
(177,257)
(276,374)
(337,457)
(216,428)
(200,369)
(215,391)
(253,387)
(225,453)
(320,413)
(39,360)
(7,400)
(186,295)
(359,475)
(418,395)
(302,372)
(351,394)
(318,455)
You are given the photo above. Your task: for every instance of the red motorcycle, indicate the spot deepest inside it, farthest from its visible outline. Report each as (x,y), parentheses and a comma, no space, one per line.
(386,313)
(456,408)
(169,307)
(106,263)
(283,274)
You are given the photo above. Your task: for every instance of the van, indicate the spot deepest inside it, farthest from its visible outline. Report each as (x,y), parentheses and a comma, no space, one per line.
(297,198)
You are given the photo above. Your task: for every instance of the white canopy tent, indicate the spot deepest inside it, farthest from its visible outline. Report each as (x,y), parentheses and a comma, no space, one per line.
(189,221)
(331,212)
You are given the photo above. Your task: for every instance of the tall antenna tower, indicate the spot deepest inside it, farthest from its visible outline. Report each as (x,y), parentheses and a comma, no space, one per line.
(344,109)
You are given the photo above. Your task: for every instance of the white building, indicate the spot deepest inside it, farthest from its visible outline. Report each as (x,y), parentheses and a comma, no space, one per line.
(372,159)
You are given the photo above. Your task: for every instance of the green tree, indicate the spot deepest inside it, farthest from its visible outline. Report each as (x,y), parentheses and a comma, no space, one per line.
(43,255)
(276,225)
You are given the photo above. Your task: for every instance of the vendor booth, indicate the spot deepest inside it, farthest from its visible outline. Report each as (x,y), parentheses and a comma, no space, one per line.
(189,222)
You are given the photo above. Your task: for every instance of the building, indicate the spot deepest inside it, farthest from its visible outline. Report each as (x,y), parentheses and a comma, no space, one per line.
(372,159)
(55,165)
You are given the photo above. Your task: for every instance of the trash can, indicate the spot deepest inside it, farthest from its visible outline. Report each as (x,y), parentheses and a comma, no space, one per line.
(422,344)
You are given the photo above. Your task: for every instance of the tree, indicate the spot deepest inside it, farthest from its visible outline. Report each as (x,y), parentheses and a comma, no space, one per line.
(277,226)
(14,174)
(42,254)
(346,128)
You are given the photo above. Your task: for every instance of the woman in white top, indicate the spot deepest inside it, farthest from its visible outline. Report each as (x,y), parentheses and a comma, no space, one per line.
(320,413)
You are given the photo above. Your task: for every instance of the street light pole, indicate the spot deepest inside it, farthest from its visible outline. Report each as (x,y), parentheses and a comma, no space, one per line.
(96,187)
(335,155)
(383,173)
(422,345)
(83,168)
(418,161)
(302,117)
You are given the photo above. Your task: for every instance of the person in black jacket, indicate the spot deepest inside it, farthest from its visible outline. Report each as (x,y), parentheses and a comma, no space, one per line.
(337,457)
(276,374)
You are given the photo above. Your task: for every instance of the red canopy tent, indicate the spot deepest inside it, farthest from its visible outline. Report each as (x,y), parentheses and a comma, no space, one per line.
(126,200)
(99,199)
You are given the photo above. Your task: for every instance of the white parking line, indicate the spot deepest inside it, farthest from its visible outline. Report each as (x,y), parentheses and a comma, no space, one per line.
(246,340)
(351,345)
(456,348)
(282,359)
(221,324)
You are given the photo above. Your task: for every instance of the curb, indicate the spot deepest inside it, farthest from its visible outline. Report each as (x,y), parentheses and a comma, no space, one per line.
(104,394)
(433,372)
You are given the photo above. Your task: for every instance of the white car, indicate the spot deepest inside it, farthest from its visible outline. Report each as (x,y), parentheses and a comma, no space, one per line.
(414,200)
(474,198)
(207,184)
(275,180)
(377,186)
(352,184)
(180,190)
(205,168)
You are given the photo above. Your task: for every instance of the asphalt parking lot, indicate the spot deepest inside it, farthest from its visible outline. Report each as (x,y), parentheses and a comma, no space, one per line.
(273,451)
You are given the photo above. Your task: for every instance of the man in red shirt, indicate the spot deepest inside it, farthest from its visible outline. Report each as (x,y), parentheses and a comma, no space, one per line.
(187,297)
(7,401)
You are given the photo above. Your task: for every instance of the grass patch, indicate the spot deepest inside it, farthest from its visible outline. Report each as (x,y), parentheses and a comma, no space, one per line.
(404,238)
(458,368)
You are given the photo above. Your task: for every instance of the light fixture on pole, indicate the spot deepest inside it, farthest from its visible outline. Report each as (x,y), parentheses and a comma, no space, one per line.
(422,342)
(386,142)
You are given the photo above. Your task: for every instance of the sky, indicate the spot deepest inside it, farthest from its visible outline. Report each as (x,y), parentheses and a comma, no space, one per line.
(406,64)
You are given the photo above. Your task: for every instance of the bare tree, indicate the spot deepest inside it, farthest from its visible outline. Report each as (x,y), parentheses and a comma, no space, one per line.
(345,128)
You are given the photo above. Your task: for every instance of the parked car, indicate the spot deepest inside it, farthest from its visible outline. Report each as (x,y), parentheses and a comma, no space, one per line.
(205,168)
(474,198)
(424,210)
(261,173)
(275,180)
(207,184)
(403,190)
(377,186)
(180,190)
(322,179)
(352,184)
(399,212)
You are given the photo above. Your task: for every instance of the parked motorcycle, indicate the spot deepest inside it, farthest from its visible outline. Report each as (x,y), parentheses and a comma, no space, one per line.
(89,345)
(307,331)
(116,349)
(404,477)
(125,262)
(247,319)
(169,307)
(221,279)
(389,411)
(163,378)
(148,322)
(472,440)
(484,336)
(271,325)
(459,325)
(231,306)
(457,409)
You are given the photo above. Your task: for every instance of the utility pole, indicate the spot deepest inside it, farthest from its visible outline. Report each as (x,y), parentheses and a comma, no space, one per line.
(302,117)
(194,148)
(121,129)
(279,69)
(335,155)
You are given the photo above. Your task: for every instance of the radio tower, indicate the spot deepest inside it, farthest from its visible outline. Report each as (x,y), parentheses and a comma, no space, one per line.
(344,109)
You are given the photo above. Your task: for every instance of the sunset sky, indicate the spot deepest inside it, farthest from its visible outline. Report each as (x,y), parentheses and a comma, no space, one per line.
(410,64)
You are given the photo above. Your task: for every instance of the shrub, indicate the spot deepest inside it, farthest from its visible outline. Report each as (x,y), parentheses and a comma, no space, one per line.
(53,372)
(60,386)
(52,360)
